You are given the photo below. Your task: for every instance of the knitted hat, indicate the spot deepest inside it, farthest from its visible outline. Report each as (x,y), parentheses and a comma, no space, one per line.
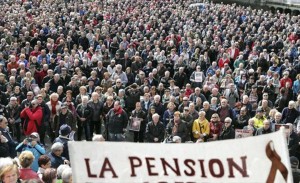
(64,130)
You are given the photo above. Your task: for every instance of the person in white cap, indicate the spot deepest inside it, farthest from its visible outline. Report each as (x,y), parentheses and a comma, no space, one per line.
(32,144)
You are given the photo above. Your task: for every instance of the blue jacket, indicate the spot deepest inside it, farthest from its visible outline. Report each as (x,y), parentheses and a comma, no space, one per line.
(56,160)
(296,87)
(37,151)
(167,117)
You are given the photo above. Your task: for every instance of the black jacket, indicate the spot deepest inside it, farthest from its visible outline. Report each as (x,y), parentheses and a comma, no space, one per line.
(97,110)
(4,150)
(143,104)
(227,133)
(155,131)
(181,130)
(116,122)
(241,121)
(293,144)
(46,113)
(133,96)
(61,119)
(11,143)
(159,108)
(88,112)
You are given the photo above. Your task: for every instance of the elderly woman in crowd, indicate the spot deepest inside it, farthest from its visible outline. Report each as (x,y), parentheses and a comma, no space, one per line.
(67,176)
(55,155)
(215,126)
(26,159)
(201,127)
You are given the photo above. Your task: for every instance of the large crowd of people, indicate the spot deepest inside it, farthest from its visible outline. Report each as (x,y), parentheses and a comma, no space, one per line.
(142,71)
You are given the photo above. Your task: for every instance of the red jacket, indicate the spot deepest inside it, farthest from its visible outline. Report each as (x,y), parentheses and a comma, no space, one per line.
(222,62)
(39,76)
(32,115)
(236,53)
(215,128)
(283,82)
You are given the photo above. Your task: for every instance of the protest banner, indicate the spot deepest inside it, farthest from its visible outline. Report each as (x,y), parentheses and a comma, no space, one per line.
(241,133)
(262,159)
(286,130)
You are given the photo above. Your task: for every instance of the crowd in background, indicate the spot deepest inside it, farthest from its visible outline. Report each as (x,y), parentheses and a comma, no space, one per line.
(141,71)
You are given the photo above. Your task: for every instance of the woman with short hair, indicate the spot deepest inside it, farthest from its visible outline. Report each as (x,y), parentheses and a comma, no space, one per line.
(44,163)
(55,155)
(26,159)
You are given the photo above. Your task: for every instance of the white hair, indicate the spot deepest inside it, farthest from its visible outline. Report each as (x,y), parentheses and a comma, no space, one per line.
(85,98)
(176,139)
(228,119)
(155,115)
(56,146)
(66,175)
(157,97)
(61,169)
(98,138)
(292,103)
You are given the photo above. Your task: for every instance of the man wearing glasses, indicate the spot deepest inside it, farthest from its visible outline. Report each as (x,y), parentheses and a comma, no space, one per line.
(228,132)
(26,102)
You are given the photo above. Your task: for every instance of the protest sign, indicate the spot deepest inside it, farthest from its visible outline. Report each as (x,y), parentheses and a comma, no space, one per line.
(257,159)
(135,124)
(241,133)
(198,77)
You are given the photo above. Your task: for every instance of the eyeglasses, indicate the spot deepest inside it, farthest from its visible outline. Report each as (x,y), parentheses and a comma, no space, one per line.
(214,117)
